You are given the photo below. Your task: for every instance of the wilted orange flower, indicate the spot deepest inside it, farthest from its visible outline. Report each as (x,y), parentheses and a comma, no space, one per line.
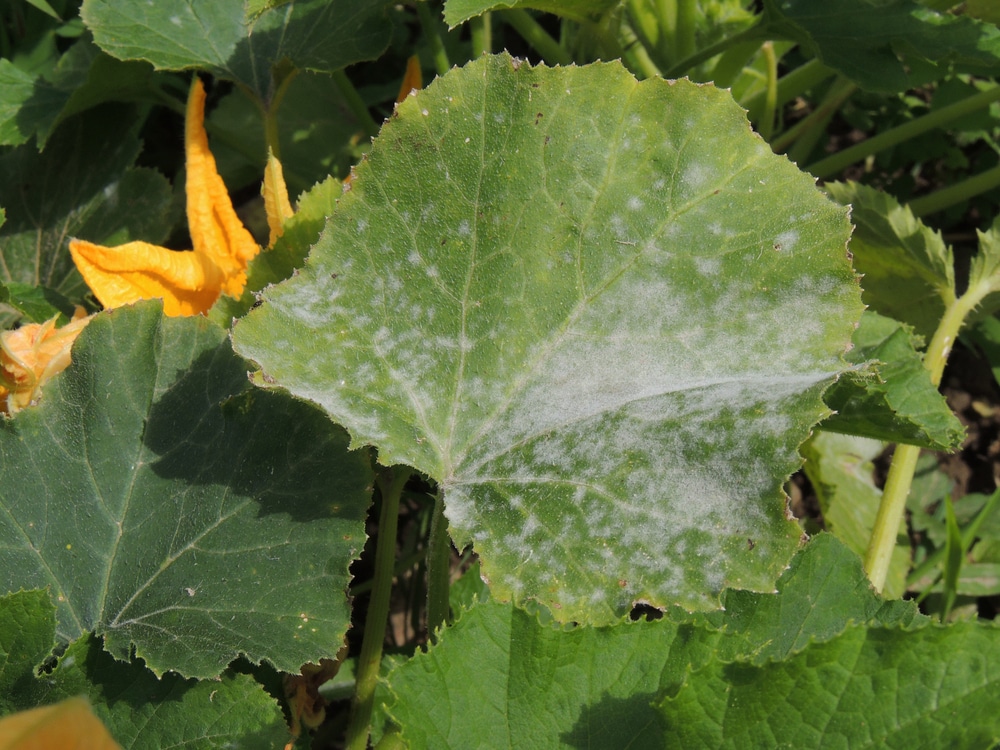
(31,355)
(188,282)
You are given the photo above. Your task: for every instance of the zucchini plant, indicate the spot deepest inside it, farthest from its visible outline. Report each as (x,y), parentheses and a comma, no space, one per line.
(528,365)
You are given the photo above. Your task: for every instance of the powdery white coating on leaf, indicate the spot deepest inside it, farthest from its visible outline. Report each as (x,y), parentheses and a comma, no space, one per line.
(578,324)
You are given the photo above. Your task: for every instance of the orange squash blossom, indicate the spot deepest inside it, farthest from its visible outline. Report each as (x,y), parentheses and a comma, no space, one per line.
(188,282)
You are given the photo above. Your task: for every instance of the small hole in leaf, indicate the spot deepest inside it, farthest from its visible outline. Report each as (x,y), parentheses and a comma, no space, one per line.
(643,611)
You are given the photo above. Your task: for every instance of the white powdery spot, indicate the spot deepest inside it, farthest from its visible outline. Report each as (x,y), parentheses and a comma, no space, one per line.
(708,266)
(634,203)
(785,242)
(695,176)
(464,230)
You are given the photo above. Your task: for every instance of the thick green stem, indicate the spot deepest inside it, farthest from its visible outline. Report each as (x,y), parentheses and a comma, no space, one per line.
(481,32)
(687,20)
(533,33)
(271,135)
(942,117)
(800,80)
(766,124)
(805,133)
(433,34)
(438,569)
(904,460)
(355,103)
(960,191)
(754,33)
(391,483)
(666,16)
(643,22)
(732,62)
(635,53)
(890,514)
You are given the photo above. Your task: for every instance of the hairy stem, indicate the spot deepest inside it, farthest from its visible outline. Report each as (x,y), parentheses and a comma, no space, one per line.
(481,33)
(766,125)
(391,482)
(732,62)
(271,135)
(800,80)
(634,53)
(433,34)
(960,191)
(942,117)
(687,17)
(533,33)
(438,568)
(754,33)
(805,133)
(904,460)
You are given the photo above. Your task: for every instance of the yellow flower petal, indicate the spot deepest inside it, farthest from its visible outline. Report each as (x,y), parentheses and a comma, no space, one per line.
(187,282)
(191,282)
(413,80)
(70,725)
(216,231)
(31,355)
(276,204)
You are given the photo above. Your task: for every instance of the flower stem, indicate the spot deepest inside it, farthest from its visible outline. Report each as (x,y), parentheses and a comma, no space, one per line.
(904,460)
(271,135)
(391,482)
(438,568)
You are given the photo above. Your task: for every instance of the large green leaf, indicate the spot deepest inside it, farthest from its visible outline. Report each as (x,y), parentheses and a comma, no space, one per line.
(83,78)
(176,510)
(872,41)
(908,269)
(320,35)
(140,710)
(894,400)
(27,635)
(81,185)
(602,333)
(500,673)
(22,106)
(868,687)
(984,272)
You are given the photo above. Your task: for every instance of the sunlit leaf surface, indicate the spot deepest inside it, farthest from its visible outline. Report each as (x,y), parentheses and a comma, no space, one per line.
(599,313)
